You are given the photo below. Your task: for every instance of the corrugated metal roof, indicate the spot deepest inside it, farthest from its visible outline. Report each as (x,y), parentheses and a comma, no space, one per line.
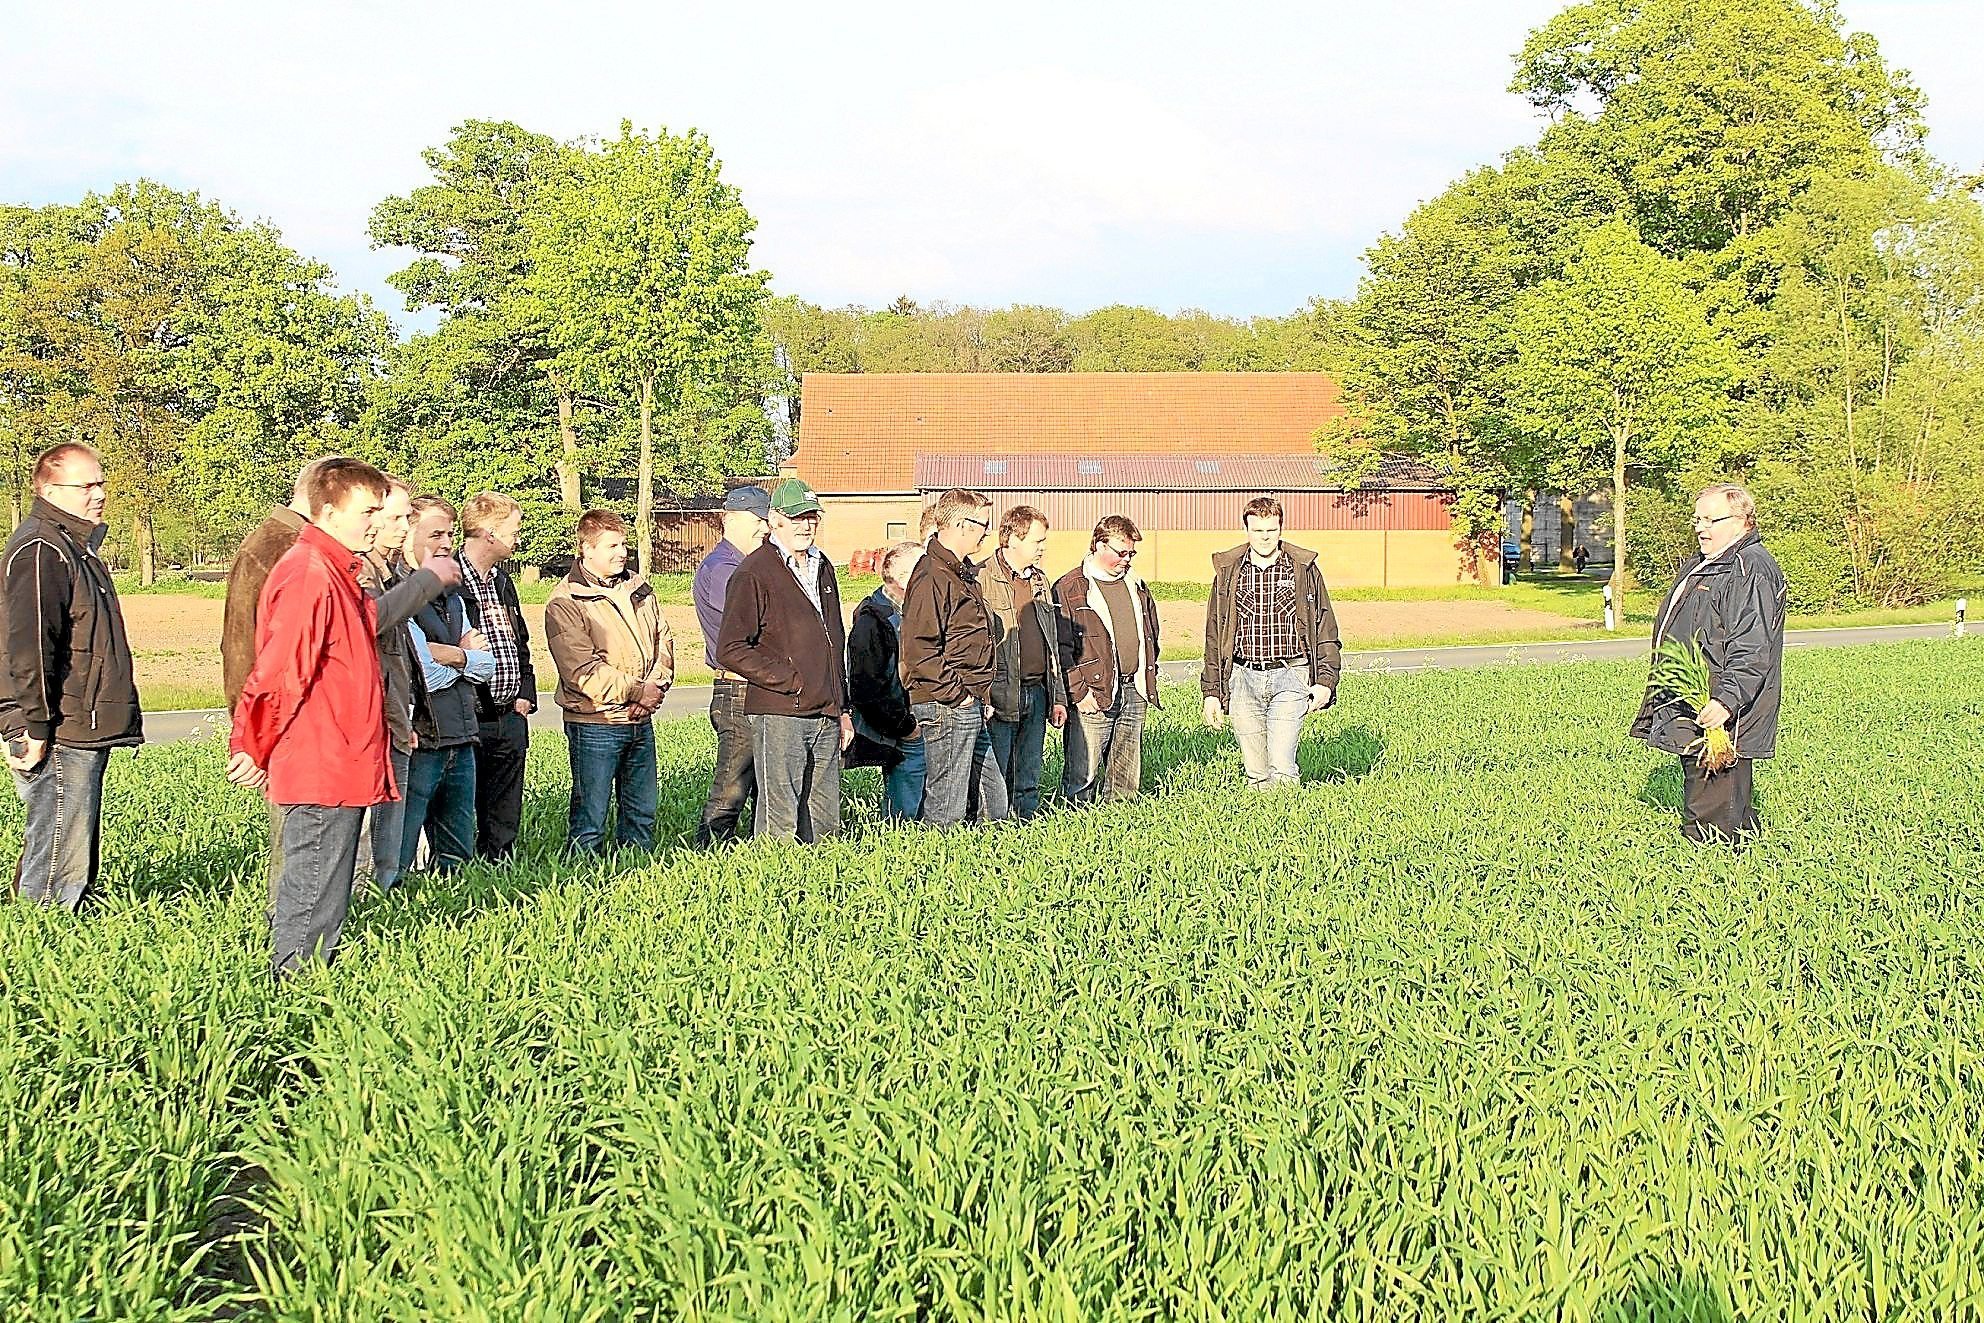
(862,432)
(1248,473)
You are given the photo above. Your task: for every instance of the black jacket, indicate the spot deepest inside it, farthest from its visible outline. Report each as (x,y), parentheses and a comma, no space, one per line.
(445,717)
(946,637)
(506,593)
(872,678)
(69,673)
(1733,606)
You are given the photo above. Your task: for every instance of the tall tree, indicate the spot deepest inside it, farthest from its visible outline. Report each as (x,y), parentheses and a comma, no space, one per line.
(641,255)
(1614,366)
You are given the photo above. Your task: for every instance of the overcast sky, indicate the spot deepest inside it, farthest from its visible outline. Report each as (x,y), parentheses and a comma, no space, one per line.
(1235,158)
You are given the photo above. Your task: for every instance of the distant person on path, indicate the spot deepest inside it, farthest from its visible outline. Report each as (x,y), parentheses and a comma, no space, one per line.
(947,667)
(615,659)
(450,656)
(1580,557)
(1028,691)
(746,511)
(874,678)
(246,574)
(1109,656)
(1730,601)
(68,695)
(784,633)
(1272,651)
(311,725)
(491,523)
(396,596)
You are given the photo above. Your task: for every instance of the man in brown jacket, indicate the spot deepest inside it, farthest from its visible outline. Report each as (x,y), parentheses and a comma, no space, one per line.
(1028,693)
(947,667)
(784,633)
(246,574)
(1109,655)
(616,659)
(1272,652)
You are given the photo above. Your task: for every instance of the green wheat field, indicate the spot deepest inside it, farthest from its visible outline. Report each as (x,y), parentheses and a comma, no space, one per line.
(1462,1029)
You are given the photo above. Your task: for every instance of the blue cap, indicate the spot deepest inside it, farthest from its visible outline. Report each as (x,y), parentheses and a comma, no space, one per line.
(753,498)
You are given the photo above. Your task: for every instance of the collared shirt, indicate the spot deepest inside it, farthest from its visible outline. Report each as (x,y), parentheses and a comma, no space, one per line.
(477,667)
(1264,611)
(711,584)
(508,679)
(806,569)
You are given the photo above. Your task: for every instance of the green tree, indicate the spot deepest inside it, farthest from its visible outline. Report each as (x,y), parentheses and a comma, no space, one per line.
(641,254)
(1615,369)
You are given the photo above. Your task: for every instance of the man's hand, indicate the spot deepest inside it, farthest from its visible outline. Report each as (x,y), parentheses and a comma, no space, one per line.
(241,771)
(445,569)
(1714,716)
(1319,697)
(651,695)
(637,714)
(1057,716)
(31,756)
(474,640)
(1089,704)
(523,707)
(1215,714)
(846,731)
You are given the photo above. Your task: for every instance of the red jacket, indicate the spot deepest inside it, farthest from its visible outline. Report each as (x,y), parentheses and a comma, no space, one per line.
(312,713)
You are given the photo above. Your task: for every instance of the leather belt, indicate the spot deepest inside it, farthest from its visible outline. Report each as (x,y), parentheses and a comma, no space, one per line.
(1281,665)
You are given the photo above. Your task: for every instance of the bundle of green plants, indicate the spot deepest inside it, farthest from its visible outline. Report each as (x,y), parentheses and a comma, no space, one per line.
(1680,670)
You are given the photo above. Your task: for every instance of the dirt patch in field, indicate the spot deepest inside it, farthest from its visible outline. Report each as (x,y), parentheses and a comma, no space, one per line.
(177,639)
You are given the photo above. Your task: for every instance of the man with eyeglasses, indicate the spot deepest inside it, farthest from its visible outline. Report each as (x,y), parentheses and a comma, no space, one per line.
(68,695)
(1729,601)
(947,667)
(1109,659)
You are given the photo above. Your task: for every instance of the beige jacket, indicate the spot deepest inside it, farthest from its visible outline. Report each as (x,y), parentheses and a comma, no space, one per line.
(606,640)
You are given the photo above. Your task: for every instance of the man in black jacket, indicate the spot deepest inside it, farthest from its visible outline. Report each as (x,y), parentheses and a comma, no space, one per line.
(67,694)
(1730,601)
(491,523)
(874,681)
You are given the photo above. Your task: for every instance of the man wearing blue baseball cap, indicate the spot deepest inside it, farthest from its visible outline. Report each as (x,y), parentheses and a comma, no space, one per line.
(745,512)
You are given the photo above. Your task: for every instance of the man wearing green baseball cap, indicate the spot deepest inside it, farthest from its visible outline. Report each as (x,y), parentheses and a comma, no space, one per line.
(784,633)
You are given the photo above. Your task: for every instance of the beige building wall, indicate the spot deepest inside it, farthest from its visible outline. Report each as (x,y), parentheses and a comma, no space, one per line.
(863,523)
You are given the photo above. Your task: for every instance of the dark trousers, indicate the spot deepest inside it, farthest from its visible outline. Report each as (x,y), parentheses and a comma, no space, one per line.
(499,784)
(1720,807)
(64,799)
(611,762)
(798,771)
(379,842)
(1020,746)
(440,800)
(733,783)
(319,848)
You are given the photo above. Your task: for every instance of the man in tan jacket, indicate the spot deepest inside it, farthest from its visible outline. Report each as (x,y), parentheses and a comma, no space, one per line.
(616,660)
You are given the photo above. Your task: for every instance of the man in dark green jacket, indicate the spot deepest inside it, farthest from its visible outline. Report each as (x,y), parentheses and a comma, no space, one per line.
(1729,601)
(1028,691)
(68,695)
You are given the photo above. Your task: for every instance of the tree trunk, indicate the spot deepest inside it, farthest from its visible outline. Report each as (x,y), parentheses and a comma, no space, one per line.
(1567,530)
(568,467)
(1621,580)
(644,483)
(144,545)
(1527,558)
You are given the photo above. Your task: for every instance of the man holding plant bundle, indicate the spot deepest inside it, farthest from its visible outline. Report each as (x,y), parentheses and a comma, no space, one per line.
(1723,621)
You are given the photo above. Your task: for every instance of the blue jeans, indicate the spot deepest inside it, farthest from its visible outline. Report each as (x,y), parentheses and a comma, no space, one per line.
(440,797)
(902,786)
(961,778)
(379,843)
(1266,708)
(1020,746)
(1104,754)
(611,762)
(64,798)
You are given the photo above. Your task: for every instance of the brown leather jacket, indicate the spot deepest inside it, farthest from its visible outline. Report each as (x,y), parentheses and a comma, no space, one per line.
(1088,653)
(606,640)
(946,632)
(260,551)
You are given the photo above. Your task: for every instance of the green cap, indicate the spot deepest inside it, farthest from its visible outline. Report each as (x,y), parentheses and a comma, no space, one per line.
(794,498)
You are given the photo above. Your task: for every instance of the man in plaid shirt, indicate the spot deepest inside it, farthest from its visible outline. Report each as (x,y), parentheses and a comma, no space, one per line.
(491,523)
(1272,650)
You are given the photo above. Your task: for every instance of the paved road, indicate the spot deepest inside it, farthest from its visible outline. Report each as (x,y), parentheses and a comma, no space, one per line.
(694,700)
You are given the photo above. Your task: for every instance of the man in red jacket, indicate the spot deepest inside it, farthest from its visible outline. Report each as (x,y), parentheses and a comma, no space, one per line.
(310,725)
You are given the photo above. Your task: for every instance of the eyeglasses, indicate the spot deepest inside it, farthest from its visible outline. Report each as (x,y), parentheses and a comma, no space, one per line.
(79,486)
(1705,521)
(985,524)
(1123,553)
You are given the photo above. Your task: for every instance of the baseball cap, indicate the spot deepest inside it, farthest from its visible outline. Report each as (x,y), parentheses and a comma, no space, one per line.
(794,498)
(752,497)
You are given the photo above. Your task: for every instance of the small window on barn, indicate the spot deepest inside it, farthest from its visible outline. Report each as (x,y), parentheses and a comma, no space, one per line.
(1089,468)
(895,532)
(1207,466)
(995,468)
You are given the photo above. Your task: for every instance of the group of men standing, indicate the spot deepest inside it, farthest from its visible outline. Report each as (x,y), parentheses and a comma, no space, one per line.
(380,682)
